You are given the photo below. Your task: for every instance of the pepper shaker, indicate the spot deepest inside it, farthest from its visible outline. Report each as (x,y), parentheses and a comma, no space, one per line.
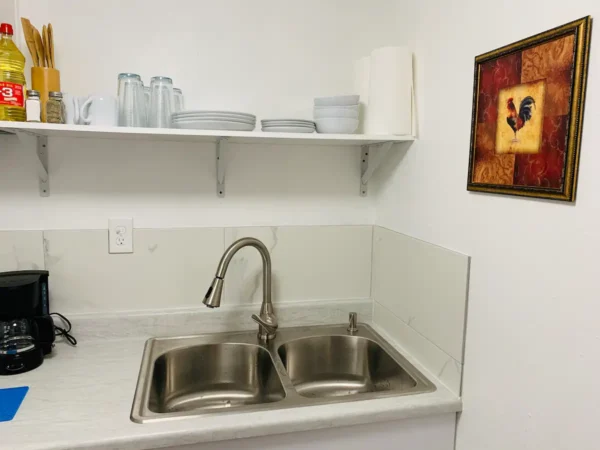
(55,108)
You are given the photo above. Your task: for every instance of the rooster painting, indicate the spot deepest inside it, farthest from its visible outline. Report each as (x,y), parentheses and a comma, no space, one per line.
(517,120)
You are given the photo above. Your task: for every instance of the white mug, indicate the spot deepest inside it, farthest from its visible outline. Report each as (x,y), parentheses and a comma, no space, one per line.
(100,110)
(73,105)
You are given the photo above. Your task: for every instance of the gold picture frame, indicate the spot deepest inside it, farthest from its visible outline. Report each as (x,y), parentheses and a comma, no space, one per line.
(555,63)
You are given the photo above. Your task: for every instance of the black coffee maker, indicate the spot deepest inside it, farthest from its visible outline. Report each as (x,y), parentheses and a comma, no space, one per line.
(26,327)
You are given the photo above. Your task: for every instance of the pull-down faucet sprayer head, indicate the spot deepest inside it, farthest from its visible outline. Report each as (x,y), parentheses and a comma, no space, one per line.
(212,299)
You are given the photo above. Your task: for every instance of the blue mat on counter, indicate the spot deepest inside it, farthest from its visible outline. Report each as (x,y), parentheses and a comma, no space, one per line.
(10,401)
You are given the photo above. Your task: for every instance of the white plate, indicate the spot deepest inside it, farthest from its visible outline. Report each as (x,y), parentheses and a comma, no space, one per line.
(288,124)
(288,129)
(212,113)
(287,121)
(285,124)
(212,119)
(338,100)
(211,116)
(214,125)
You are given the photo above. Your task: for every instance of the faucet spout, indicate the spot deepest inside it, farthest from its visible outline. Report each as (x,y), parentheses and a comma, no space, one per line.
(267,319)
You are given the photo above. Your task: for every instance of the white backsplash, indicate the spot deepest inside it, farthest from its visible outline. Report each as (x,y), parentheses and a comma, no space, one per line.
(418,290)
(172,268)
(21,250)
(318,262)
(169,268)
(420,300)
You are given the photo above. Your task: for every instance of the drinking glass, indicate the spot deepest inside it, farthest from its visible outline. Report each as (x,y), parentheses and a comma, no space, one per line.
(147,95)
(132,110)
(178,96)
(161,102)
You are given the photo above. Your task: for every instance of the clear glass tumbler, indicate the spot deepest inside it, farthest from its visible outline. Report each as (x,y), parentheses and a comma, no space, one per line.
(162,102)
(147,96)
(132,103)
(178,96)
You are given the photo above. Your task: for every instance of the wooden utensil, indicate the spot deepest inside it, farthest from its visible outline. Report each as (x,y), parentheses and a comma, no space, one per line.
(46,47)
(39,46)
(30,40)
(51,43)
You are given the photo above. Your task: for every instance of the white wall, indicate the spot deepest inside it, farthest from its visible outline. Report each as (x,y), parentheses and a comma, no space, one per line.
(267,57)
(533,346)
(8,11)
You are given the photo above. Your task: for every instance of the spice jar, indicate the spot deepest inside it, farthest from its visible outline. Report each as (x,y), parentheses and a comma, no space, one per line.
(55,108)
(33,106)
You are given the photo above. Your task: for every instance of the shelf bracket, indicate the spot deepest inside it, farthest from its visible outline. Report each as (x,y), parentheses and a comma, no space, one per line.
(41,151)
(221,143)
(371,157)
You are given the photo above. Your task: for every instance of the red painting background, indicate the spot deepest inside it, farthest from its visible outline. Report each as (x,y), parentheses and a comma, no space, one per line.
(552,62)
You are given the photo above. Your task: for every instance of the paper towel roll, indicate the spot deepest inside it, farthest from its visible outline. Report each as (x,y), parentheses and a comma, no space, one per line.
(390,92)
(361,87)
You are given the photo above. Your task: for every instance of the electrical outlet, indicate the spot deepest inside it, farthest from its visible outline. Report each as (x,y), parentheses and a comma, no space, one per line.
(120,235)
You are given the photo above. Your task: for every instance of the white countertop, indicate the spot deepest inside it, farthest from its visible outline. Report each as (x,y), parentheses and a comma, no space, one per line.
(80,398)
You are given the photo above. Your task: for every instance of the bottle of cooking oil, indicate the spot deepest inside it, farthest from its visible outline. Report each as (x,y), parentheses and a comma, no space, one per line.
(12,77)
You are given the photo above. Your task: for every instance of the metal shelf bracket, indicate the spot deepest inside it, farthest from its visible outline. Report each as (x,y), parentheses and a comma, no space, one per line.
(220,160)
(371,157)
(40,143)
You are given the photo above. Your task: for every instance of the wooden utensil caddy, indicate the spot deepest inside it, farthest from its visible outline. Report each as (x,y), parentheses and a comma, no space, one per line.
(45,80)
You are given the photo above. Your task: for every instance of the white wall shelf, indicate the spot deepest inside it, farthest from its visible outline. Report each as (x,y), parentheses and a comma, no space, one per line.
(373,148)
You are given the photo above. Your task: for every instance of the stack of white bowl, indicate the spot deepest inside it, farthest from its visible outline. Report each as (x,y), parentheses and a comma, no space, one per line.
(338,114)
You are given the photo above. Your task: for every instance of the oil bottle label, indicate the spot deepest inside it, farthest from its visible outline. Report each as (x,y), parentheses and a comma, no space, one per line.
(11,94)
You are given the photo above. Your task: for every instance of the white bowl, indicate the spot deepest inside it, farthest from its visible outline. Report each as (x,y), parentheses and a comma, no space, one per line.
(332,112)
(337,125)
(338,100)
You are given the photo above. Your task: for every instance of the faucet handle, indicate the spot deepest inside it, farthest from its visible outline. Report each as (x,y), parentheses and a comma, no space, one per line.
(352,320)
(268,329)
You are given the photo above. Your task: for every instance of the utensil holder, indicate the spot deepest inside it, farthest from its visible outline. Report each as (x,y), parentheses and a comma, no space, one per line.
(45,80)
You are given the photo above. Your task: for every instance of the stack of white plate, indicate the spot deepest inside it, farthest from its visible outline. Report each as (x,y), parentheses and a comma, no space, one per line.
(338,114)
(213,120)
(288,125)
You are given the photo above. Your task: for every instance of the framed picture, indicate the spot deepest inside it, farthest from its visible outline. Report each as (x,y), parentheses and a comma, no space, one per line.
(528,103)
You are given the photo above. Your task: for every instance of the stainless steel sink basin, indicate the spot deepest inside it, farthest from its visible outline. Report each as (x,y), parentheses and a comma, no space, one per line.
(213,376)
(333,366)
(227,372)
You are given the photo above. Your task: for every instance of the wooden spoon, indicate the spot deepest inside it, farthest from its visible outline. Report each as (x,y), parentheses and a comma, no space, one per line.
(46,46)
(39,46)
(51,43)
(30,40)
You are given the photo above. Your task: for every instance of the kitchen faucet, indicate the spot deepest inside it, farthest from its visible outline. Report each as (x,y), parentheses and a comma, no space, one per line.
(267,321)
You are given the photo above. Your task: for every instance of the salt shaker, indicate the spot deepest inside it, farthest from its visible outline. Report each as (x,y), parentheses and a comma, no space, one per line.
(33,106)
(55,108)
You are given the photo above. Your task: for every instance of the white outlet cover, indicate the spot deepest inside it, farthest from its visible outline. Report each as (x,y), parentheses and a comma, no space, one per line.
(120,235)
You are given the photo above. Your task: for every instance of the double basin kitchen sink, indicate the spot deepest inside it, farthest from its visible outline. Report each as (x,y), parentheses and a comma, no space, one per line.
(303,366)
